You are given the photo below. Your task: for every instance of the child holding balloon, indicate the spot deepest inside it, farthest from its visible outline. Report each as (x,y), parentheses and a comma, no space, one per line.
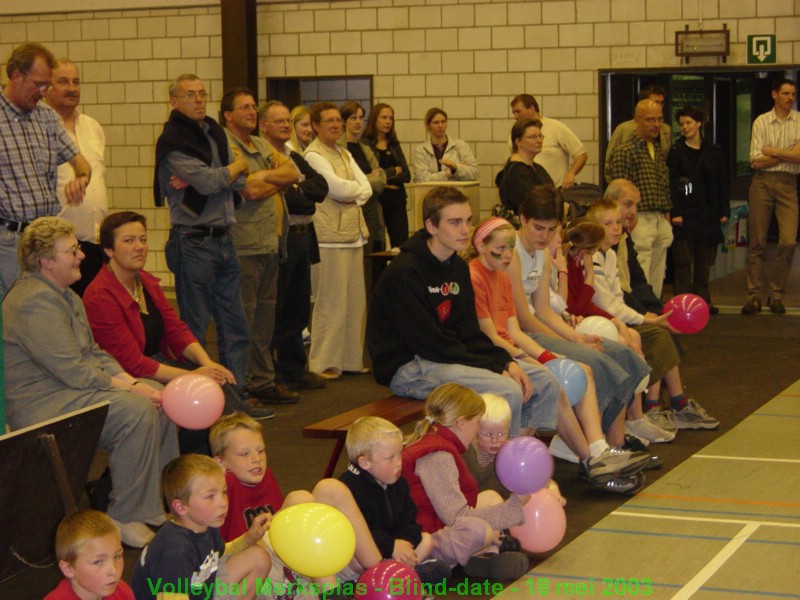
(464,524)
(579,420)
(660,350)
(238,445)
(493,430)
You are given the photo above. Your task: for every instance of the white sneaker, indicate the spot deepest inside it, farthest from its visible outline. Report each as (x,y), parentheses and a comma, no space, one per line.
(559,449)
(663,419)
(646,429)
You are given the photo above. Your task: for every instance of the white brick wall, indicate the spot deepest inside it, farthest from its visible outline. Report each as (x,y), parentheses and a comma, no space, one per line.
(466,56)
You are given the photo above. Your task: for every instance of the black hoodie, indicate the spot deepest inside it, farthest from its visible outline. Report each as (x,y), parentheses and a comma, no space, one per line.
(423,306)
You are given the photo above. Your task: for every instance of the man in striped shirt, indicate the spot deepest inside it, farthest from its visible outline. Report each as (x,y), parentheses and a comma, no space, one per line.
(775,158)
(32,145)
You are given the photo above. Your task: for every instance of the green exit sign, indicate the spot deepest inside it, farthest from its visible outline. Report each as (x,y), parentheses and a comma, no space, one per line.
(761,49)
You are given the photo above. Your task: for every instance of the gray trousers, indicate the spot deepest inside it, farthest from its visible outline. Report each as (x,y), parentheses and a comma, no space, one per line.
(259,281)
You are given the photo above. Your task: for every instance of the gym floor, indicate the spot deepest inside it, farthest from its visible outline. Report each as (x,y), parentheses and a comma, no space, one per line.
(720,520)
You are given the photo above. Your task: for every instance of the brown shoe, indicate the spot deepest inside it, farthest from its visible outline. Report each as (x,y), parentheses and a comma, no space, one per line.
(776,306)
(752,306)
(308,381)
(276,394)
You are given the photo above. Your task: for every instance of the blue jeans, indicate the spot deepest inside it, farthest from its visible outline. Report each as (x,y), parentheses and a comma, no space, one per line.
(617,371)
(419,377)
(207,285)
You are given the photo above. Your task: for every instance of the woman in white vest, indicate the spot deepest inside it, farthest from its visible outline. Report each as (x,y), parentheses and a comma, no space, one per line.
(337,326)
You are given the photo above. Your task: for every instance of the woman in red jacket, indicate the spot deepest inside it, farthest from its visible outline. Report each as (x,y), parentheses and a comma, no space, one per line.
(130,316)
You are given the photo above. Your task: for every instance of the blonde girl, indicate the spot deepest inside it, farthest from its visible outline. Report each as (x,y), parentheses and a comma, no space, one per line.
(465,525)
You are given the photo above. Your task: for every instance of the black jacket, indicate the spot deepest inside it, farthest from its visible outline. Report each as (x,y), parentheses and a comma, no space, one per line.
(182,134)
(641,298)
(303,196)
(516,179)
(390,512)
(423,306)
(700,190)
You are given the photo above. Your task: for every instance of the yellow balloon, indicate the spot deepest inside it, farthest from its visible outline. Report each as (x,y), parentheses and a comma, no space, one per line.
(313,539)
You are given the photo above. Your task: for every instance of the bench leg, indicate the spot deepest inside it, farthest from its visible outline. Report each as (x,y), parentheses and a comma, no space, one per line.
(337,451)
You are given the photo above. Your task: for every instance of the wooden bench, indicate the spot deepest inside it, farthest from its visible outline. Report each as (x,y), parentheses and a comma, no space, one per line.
(396,409)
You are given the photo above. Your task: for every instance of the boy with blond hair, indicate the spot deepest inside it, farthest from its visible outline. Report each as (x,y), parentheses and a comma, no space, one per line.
(374,447)
(188,557)
(492,435)
(89,553)
(238,445)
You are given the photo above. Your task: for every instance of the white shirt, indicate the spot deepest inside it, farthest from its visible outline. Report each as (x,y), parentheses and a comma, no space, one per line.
(768,130)
(87,216)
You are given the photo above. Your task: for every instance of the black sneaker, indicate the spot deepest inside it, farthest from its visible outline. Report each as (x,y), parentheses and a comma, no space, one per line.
(752,306)
(506,566)
(433,571)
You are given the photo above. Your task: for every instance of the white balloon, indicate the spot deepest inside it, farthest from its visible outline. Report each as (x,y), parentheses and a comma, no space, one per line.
(598,326)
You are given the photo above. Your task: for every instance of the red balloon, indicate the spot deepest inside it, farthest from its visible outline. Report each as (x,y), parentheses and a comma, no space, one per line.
(389,580)
(689,313)
(545,523)
(524,465)
(193,401)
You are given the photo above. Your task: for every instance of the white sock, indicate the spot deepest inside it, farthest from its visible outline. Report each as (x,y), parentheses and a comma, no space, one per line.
(597,447)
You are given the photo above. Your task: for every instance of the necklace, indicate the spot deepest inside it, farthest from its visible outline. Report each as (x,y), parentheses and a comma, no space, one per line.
(137,293)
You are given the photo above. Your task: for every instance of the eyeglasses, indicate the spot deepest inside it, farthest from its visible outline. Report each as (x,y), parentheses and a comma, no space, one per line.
(494,437)
(653,120)
(42,87)
(247,107)
(535,136)
(73,250)
(335,121)
(189,96)
(281,122)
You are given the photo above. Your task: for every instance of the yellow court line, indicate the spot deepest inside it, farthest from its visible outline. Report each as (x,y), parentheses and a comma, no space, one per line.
(752,458)
(622,513)
(725,500)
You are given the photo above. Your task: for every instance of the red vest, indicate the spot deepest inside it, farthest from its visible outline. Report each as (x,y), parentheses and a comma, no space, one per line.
(438,439)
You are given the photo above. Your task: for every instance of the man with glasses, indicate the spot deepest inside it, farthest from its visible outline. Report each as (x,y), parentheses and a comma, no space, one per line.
(294,277)
(63,97)
(261,223)
(32,146)
(201,176)
(641,161)
(625,130)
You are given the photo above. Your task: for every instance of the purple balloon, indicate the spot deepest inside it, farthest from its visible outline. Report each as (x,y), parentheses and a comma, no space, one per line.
(689,313)
(524,465)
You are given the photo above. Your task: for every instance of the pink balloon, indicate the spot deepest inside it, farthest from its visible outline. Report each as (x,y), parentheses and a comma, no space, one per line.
(524,465)
(689,313)
(545,523)
(389,580)
(193,401)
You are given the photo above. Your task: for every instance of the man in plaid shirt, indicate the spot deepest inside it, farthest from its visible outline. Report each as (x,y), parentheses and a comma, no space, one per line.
(32,145)
(641,160)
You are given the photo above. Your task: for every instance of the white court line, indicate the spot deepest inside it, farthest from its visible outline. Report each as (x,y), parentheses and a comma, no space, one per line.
(696,582)
(622,513)
(753,458)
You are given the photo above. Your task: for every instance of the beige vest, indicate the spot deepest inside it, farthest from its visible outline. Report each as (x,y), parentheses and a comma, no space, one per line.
(335,221)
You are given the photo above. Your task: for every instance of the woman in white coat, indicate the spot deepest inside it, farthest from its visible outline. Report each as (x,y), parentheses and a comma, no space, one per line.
(441,158)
